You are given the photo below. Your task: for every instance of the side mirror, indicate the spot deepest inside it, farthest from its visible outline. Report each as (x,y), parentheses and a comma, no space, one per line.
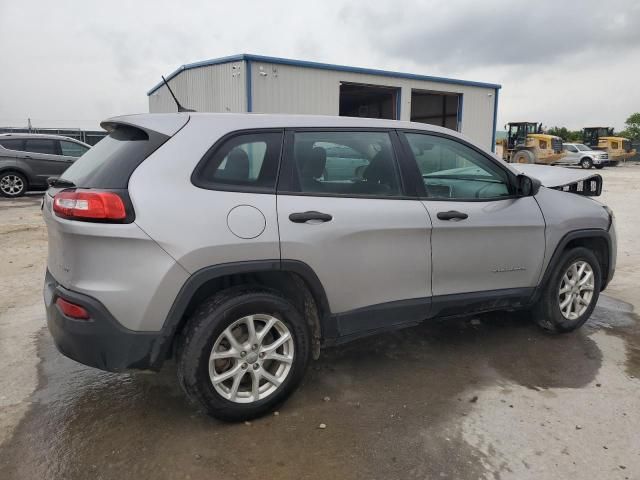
(527,186)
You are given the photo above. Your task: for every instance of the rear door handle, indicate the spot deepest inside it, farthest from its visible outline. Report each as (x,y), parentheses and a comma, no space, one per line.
(452,215)
(302,217)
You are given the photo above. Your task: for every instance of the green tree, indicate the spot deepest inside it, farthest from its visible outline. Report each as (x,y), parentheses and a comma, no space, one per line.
(565,134)
(632,129)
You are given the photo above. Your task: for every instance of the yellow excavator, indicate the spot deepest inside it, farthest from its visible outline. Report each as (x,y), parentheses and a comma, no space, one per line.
(602,138)
(526,143)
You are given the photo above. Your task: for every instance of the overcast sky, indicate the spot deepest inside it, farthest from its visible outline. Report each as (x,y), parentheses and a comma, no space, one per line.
(570,63)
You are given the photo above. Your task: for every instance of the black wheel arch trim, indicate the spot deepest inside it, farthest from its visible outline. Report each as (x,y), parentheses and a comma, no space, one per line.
(199,278)
(19,170)
(560,248)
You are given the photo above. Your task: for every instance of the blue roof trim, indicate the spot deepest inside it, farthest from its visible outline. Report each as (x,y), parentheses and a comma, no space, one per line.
(495,121)
(248,87)
(323,66)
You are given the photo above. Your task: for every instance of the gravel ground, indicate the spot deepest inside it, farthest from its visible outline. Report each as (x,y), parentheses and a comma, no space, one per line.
(490,397)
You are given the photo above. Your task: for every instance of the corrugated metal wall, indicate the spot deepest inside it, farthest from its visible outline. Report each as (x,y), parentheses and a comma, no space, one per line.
(290,89)
(211,88)
(280,88)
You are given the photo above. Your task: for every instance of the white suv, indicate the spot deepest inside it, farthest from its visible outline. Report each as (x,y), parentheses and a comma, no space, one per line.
(240,244)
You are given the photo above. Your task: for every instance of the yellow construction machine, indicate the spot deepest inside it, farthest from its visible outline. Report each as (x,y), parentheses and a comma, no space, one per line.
(602,138)
(526,143)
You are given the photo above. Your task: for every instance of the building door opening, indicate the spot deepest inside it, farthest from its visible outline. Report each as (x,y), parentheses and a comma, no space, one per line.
(370,101)
(435,108)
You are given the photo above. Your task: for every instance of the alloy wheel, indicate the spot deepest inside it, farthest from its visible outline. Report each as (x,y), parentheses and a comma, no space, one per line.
(11,185)
(576,290)
(251,358)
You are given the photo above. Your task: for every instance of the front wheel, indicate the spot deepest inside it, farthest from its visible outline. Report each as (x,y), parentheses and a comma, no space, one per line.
(243,352)
(586,163)
(570,295)
(524,156)
(599,167)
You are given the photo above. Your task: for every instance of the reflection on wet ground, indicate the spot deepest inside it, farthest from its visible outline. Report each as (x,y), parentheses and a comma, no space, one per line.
(395,401)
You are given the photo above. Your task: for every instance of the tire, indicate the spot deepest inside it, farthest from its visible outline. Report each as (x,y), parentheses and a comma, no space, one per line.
(523,156)
(547,311)
(207,329)
(599,167)
(13,184)
(586,163)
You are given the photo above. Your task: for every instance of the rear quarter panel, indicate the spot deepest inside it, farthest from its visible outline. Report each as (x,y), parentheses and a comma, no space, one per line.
(188,222)
(117,264)
(7,162)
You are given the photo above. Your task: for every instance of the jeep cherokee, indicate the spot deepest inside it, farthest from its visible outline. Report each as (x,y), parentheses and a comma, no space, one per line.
(240,244)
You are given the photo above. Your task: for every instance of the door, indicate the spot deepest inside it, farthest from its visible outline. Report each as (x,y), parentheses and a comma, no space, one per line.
(44,159)
(367,242)
(484,239)
(572,155)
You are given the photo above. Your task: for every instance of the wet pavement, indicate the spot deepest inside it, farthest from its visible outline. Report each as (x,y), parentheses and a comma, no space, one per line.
(395,408)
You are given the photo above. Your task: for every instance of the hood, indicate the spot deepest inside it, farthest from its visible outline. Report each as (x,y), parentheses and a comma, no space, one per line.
(581,182)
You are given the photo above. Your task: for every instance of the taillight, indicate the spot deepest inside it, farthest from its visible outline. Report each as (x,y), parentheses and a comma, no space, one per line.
(89,205)
(72,310)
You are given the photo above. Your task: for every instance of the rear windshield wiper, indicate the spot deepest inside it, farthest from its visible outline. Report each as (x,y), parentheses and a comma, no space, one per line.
(60,182)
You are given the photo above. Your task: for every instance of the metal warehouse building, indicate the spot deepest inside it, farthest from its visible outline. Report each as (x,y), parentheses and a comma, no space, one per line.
(252,83)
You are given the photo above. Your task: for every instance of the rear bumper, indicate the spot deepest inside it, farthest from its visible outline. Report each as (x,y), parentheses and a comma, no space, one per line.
(100,342)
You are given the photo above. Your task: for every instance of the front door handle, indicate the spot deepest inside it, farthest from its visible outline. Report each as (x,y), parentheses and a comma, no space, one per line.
(452,215)
(302,217)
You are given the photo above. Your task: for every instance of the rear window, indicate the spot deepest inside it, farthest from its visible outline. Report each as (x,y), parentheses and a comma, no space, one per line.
(13,144)
(110,162)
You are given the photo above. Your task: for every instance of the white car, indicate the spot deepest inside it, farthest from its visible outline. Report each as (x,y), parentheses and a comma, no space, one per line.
(580,154)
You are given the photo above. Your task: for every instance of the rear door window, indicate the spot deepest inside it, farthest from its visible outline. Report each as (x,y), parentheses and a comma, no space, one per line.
(345,163)
(41,145)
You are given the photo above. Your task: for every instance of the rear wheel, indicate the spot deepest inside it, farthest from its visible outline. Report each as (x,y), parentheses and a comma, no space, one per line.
(586,163)
(12,184)
(243,352)
(570,295)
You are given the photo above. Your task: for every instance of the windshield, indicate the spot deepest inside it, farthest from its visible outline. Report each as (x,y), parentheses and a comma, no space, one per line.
(582,148)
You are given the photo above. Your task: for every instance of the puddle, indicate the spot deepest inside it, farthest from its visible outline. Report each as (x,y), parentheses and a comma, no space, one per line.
(396,401)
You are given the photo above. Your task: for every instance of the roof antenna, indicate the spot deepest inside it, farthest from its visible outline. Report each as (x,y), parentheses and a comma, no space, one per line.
(180,107)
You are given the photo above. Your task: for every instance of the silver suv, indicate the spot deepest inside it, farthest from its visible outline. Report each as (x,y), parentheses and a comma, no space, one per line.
(28,159)
(586,157)
(241,244)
